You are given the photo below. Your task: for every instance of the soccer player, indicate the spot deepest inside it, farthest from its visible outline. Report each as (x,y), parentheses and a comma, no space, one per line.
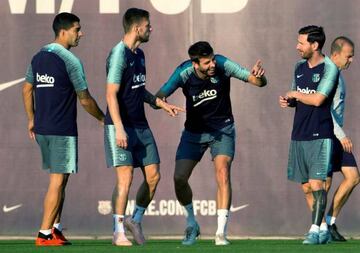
(342,52)
(129,142)
(312,92)
(205,82)
(53,80)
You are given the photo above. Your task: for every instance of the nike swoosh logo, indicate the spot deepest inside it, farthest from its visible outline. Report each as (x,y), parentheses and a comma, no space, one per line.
(238,208)
(11,208)
(4,86)
(298,76)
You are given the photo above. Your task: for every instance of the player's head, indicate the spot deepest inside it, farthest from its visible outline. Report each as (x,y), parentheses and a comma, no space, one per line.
(342,52)
(137,21)
(311,39)
(67,27)
(202,57)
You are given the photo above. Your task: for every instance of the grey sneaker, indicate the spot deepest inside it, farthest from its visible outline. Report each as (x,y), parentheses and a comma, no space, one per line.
(135,229)
(191,233)
(221,239)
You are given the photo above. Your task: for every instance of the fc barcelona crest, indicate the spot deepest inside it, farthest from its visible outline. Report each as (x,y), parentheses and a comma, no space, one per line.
(316,78)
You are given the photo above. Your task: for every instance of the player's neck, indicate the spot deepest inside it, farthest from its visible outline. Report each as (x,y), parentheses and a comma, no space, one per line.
(131,42)
(315,59)
(63,43)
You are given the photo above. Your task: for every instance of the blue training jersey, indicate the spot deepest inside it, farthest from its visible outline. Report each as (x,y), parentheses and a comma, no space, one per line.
(56,75)
(314,122)
(338,108)
(208,104)
(127,69)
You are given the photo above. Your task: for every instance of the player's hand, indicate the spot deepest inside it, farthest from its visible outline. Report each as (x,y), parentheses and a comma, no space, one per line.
(172,110)
(121,138)
(283,102)
(31,129)
(258,70)
(346,144)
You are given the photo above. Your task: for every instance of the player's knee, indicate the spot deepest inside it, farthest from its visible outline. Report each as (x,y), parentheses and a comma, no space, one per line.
(154,179)
(180,180)
(306,188)
(355,181)
(223,175)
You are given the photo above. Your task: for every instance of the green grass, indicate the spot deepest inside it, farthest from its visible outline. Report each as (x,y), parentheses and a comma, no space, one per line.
(172,246)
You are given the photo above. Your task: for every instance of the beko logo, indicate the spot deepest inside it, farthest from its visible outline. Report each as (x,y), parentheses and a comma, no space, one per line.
(44,81)
(113,6)
(204,96)
(306,90)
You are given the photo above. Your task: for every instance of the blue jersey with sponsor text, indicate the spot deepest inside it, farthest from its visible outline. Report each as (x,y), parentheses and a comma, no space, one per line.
(56,75)
(127,69)
(208,105)
(314,122)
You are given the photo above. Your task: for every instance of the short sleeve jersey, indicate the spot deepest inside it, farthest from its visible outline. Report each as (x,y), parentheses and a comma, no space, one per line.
(208,104)
(314,122)
(338,108)
(127,69)
(56,75)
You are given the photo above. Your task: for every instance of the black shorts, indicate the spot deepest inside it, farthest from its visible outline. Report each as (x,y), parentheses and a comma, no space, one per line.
(341,158)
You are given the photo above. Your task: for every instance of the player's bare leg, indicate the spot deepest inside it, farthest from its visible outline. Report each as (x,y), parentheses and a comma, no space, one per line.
(222,171)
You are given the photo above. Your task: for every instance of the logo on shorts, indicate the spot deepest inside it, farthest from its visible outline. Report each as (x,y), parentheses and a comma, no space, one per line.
(122,157)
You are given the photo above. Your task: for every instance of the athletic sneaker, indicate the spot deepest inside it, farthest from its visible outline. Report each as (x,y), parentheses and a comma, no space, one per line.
(311,238)
(335,235)
(191,233)
(57,234)
(120,239)
(221,239)
(324,237)
(135,229)
(47,240)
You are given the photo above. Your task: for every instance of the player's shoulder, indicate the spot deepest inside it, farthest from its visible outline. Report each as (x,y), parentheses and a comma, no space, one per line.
(119,49)
(300,63)
(330,65)
(66,55)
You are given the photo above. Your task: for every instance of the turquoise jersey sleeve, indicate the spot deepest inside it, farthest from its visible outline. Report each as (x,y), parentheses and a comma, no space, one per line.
(73,65)
(29,76)
(338,108)
(116,64)
(232,69)
(329,79)
(177,79)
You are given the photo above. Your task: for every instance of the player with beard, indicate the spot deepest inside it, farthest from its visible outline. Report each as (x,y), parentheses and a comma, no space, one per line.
(129,142)
(205,82)
(312,92)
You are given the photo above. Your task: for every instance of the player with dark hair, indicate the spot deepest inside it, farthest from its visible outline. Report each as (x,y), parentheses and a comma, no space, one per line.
(205,82)
(312,92)
(129,142)
(53,80)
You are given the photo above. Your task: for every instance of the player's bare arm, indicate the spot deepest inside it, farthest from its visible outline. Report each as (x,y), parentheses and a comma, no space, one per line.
(90,105)
(113,105)
(29,107)
(257,76)
(315,99)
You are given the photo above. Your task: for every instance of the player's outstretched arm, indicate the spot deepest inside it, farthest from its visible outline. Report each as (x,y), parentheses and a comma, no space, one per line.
(90,105)
(257,76)
(172,110)
(28,99)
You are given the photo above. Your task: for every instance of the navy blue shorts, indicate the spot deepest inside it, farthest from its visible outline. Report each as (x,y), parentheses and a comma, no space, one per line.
(341,158)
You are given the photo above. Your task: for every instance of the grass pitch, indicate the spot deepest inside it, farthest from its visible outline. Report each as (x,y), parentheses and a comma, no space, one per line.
(174,246)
